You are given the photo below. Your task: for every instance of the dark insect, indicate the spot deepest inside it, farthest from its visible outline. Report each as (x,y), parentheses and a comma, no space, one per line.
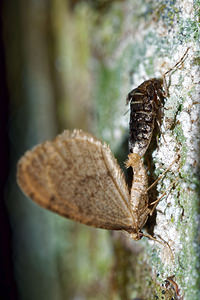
(145,106)
(146,102)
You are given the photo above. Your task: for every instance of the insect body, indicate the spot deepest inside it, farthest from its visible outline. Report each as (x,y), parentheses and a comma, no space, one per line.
(146,102)
(139,197)
(145,106)
(78,177)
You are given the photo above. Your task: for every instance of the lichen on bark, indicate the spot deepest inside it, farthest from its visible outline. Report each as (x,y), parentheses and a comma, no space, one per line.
(153,37)
(100,52)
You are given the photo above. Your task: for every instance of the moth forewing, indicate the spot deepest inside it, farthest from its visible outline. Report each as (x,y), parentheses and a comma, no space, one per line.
(78,177)
(32,175)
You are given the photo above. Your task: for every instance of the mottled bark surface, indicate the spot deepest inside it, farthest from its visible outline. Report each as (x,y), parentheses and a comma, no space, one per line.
(153,38)
(77,64)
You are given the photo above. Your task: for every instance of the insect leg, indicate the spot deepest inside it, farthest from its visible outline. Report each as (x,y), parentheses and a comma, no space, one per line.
(163,174)
(164,243)
(155,203)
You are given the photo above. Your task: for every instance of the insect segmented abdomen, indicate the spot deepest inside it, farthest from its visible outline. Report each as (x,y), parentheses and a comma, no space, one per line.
(139,197)
(144,106)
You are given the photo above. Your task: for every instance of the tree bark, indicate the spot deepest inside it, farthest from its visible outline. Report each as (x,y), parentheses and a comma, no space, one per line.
(99,54)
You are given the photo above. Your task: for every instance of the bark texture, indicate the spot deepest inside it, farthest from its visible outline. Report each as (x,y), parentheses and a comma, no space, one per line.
(76,63)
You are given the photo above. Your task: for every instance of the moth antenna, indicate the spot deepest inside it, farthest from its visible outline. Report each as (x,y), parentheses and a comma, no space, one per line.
(179,62)
(166,87)
(164,243)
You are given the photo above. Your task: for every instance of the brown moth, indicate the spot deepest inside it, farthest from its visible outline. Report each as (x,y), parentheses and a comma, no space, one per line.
(146,102)
(77,176)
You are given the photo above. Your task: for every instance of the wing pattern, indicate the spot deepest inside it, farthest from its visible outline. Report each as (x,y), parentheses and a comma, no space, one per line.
(77,176)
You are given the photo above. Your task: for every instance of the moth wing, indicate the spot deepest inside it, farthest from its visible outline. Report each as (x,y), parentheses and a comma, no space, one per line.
(78,177)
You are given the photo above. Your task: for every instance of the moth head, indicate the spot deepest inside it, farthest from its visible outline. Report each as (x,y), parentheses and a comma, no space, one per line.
(158,83)
(133,160)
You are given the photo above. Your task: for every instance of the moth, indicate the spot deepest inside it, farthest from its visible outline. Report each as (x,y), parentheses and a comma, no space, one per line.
(77,176)
(146,102)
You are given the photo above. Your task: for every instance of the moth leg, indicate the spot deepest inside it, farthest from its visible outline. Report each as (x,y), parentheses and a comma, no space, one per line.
(155,203)
(163,242)
(160,131)
(165,86)
(163,174)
